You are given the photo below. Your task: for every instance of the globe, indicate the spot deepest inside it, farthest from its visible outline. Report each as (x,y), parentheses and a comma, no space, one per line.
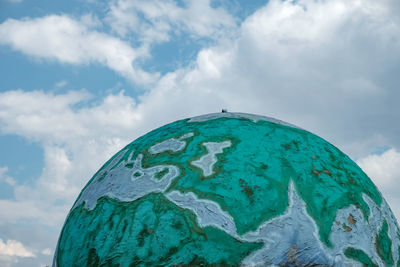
(229,189)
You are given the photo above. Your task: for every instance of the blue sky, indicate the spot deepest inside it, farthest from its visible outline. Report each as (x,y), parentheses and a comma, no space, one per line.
(81,79)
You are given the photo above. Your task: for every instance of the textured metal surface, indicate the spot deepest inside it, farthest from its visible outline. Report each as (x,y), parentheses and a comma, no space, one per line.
(229,189)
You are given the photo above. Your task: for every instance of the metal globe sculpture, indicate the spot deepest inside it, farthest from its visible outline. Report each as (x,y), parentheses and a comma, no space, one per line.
(229,189)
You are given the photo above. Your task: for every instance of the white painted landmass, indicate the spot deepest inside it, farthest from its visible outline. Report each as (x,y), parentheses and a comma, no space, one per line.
(351,229)
(279,235)
(122,184)
(208,212)
(291,238)
(294,227)
(207,161)
(173,144)
(296,233)
(376,218)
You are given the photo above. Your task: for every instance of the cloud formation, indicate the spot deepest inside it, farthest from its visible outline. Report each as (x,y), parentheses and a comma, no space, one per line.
(155,21)
(5,178)
(11,250)
(385,172)
(67,40)
(69,135)
(330,67)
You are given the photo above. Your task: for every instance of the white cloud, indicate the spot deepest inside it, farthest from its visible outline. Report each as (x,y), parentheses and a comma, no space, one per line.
(61,38)
(34,210)
(53,119)
(12,251)
(4,177)
(47,251)
(76,141)
(154,21)
(24,114)
(384,170)
(61,84)
(14,248)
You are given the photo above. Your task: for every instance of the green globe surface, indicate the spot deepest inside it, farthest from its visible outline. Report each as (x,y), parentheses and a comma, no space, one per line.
(229,189)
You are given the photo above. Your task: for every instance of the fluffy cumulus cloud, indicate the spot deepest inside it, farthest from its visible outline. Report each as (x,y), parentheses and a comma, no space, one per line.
(11,251)
(79,41)
(69,137)
(54,119)
(5,178)
(72,41)
(328,66)
(385,172)
(325,59)
(154,21)
(14,248)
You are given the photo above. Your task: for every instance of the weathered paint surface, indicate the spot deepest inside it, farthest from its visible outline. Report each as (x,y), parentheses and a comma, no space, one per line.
(128,181)
(207,161)
(230,189)
(359,255)
(150,231)
(173,145)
